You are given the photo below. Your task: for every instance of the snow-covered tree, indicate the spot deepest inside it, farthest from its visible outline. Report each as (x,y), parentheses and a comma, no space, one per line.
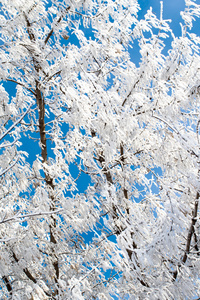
(74,109)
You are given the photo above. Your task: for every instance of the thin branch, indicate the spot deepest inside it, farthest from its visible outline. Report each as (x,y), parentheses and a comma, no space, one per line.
(197,130)
(7,283)
(27,272)
(190,234)
(129,94)
(17,122)
(31,35)
(191,230)
(19,83)
(17,216)
(52,30)
(10,167)
(191,151)
(8,144)
(49,78)
(108,280)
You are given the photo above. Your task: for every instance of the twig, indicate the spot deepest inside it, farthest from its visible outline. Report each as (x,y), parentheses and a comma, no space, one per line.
(17,122)
(19,83)
(17,216)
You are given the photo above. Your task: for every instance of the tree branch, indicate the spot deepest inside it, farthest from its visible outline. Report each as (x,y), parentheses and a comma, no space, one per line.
(115,209)
(8,284)
(19,83)
(51,31)
(9,167)
(190,234)
(17,217)
(17,122)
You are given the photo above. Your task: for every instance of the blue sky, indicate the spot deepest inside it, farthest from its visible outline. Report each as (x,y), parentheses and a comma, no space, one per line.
(171,10)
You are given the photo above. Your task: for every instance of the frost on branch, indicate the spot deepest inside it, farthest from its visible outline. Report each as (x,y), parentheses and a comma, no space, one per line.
(99,169)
